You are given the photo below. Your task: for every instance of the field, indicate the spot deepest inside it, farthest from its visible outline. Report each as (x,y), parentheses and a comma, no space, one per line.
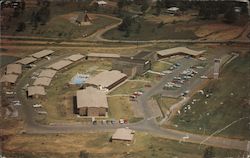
(59,102)
(62,27)
(120,107)
(97,145)
(129,87)
(225,100)
(149,77)
(151,31)
(165,103)
(160,66)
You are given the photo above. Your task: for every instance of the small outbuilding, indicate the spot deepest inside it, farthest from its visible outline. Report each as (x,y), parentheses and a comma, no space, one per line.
(123,134)
(83,19)
(91,102)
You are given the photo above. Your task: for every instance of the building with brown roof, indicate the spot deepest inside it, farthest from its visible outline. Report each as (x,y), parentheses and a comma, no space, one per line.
(42,53)
(42,81)
(123,134)
(131,66)
(26,60)
(9,79)
(179,51)
(107,79)
(36,91)
(103,55)
(47,73)
(75,57)
(91,102)
(60,64)
(14,69)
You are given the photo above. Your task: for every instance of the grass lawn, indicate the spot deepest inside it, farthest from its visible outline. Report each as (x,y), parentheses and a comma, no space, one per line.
(60,27)
(151,31)
(160,66)
(120,107)
(129,87)
(149,77)
(165,103)
(97,145)
(59,102)
(229,102)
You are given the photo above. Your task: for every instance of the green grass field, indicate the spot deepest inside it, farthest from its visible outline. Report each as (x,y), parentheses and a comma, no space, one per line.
(120,107)
(229,102)
(62,28)
(150,31)
(97,145)
(129,87)
(160,66)
(165,103)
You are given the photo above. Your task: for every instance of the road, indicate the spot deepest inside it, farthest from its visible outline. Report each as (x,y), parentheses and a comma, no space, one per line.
(148,124)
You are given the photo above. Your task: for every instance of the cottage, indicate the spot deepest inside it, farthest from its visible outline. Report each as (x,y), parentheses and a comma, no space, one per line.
(123,134)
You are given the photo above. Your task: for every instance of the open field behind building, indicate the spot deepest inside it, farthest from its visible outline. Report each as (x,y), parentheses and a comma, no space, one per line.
(225,100)
(97,145)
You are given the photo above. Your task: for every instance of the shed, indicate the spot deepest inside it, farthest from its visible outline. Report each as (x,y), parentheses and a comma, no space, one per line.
(91,102)
(123,134)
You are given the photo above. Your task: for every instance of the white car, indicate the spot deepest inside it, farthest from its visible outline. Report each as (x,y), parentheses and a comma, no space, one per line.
(204,77)
(121,121)
(37,106)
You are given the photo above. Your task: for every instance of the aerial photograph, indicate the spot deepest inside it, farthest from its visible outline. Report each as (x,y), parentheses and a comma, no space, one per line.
(125,79)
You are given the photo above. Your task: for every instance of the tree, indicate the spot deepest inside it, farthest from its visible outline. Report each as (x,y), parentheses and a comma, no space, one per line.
(126,23)
(158,7)
(120,4)
(20,27)
(83,154)
(138,29)
(209,152)
(144,6)
(231,16)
